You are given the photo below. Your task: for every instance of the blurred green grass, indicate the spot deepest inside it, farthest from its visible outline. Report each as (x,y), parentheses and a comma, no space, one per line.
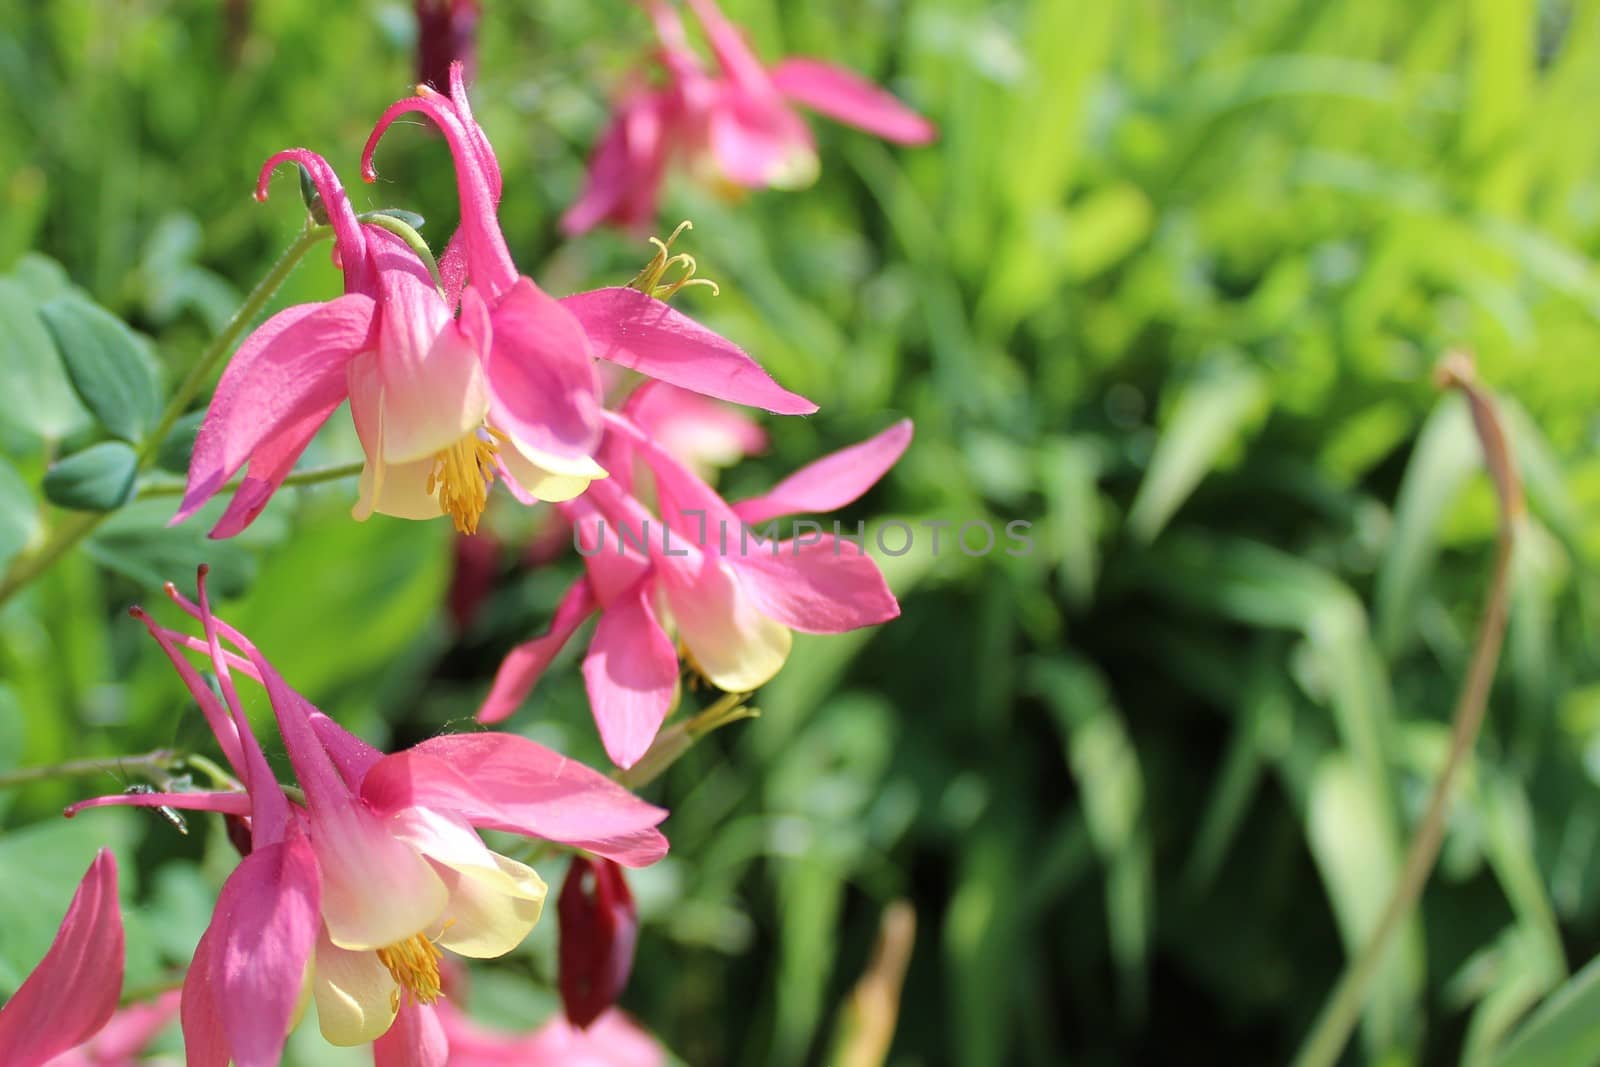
(1169,286)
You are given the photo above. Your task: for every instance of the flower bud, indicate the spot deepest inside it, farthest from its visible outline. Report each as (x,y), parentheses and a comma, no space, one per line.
(599,928)
(447,31)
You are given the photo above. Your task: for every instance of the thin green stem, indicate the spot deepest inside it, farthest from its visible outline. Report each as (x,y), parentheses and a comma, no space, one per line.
(223,343)
(1343,1008)
(314,476)
(159,761)
(79,525)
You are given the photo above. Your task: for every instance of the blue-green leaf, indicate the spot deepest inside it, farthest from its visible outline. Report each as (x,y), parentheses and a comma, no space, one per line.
(100,478)
(109,367)
(38,396)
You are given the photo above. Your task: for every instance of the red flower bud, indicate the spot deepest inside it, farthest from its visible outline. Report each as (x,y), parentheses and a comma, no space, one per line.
(447,31)
(599,928)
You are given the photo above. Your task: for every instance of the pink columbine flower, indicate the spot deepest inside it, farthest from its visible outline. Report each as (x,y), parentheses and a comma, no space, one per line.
(550,344)
(738,125)
(73,993)
(730,597)
(437,418)
(358,888)
(703,433)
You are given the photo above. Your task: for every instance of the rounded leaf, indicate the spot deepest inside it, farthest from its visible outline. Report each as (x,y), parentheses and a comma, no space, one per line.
(100,478)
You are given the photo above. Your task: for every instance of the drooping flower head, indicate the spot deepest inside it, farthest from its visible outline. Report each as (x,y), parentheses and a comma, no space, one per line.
(551,344)
(736,126)
(691,575)
(428,406)
(359,887)
(73,993)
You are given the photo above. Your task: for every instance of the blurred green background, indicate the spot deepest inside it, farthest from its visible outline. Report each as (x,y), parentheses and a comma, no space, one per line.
(1170,287)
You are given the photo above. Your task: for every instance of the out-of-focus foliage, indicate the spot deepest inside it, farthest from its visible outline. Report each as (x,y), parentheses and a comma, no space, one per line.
(1169,287)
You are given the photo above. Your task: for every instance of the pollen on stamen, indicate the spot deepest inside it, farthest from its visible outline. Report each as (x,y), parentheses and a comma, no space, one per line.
(650,279)
(414,963)
(462,475)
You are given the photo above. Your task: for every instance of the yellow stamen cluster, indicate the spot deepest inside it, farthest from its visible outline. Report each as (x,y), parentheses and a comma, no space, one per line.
(414,963)
(650,281)
(462,475)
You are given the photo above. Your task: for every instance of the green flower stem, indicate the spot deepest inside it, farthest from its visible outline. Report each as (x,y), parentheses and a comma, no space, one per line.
(314,476)
(1339,1015)
(223,343)
(79,525)
(158,762)
(670,745)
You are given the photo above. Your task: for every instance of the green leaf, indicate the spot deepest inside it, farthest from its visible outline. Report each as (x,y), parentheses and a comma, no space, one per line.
(138,544)
(410,218)
(365,615)
(38,396)
(1445,456)
(109,366)
(1105,766)
(1217,409)
(100,478)
(1564,1032)
(1360,871)
(42,277)
(19,517)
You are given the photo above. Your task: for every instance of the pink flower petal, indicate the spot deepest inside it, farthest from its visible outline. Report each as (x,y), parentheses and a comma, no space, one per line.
(487,164)
(348,237)
(433,386)
(631,673)
(291,369)
(351,755)
(823,588)
(265,925)
(134,1027)
(216,715)
(733,52)
(690,506)
(505,782)
(626,169)
(733,642)
(832,481)
(759,142)
(843,95)
(545,392)
(205,1044)
(699,431)
(489,263)
(417,1039)
(616,562)
(226,803)
(521,669)
(643,334)
(269,466)
(74,990)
